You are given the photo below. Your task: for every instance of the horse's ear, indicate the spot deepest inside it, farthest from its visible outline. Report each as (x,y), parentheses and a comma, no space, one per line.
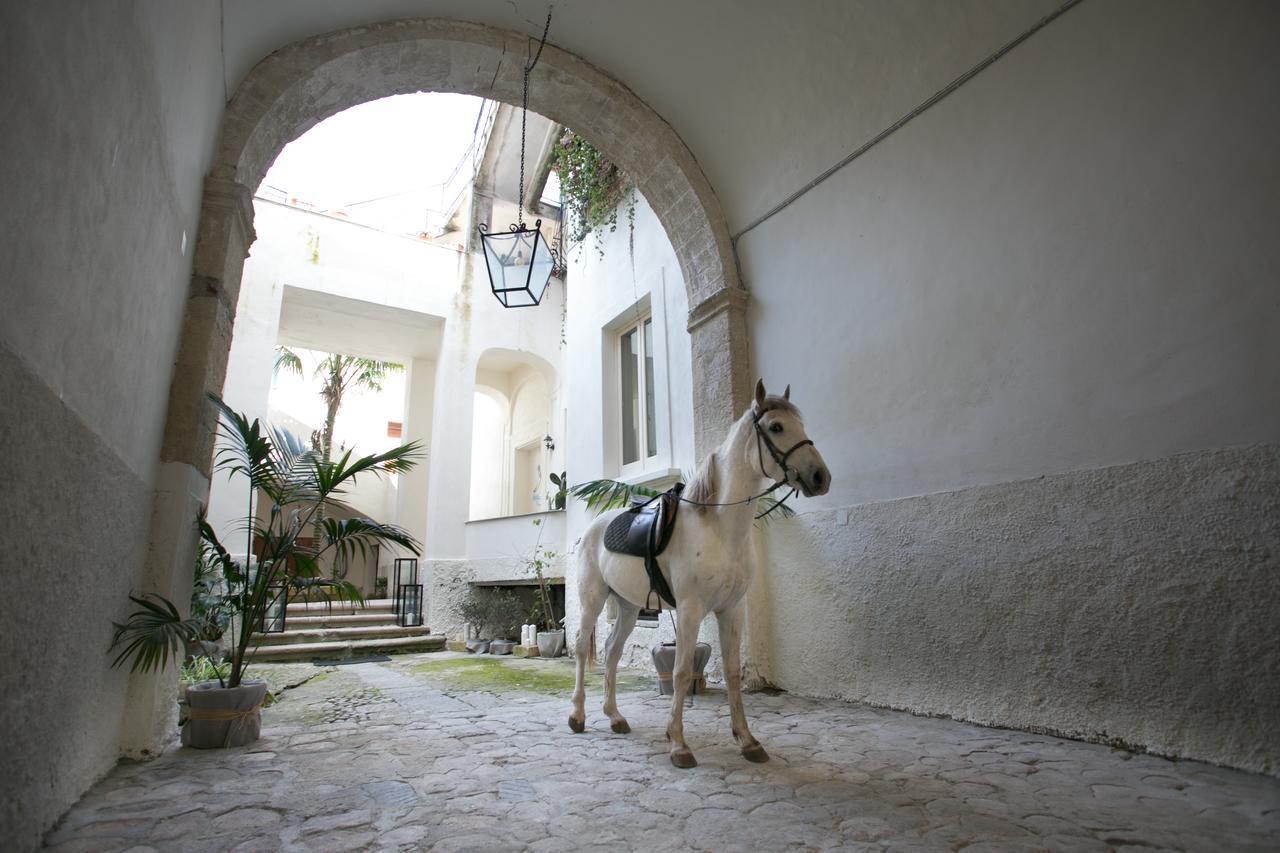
(786,395)
(760,395)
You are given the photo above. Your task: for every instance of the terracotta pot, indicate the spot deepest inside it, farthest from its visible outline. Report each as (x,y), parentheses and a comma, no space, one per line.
(664,660)
(223,716)
(501,647)
(550,643)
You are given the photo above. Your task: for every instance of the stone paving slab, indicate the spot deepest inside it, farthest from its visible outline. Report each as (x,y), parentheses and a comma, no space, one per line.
(389,755)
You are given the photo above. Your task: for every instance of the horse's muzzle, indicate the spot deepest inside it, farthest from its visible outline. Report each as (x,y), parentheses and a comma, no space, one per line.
(813,480)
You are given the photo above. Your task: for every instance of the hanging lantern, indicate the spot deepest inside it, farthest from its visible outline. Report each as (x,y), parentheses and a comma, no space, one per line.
(519,263)
(520,260)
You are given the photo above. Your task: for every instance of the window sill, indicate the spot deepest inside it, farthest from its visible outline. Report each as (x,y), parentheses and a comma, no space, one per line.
(651,479)
(517,515)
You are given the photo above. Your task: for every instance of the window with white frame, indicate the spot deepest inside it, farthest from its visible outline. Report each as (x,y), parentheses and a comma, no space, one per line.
(637,397)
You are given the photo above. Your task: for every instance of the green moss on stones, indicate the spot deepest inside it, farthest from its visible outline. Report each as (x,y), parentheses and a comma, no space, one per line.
(499,675)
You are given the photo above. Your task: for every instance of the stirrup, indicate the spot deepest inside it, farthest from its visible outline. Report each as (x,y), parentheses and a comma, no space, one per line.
(648,617)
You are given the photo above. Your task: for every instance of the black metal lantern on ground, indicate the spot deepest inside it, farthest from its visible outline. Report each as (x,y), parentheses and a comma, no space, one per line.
(520,260)
(409,606)
(406,572)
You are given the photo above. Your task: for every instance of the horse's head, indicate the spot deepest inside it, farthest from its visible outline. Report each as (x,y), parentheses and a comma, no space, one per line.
(782,451)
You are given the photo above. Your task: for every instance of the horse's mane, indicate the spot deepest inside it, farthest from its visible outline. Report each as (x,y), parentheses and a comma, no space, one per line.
(703,488)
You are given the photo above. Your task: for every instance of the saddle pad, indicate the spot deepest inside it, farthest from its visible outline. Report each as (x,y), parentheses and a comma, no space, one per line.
(619,539)
(644,531)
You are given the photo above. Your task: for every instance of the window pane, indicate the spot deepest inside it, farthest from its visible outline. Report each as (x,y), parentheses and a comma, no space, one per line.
(650,418)
(630,397)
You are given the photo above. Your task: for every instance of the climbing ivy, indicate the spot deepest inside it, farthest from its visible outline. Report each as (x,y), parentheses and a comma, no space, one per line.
(592,188)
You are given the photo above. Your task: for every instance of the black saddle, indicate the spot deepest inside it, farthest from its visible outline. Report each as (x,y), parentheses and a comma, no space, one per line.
(644,530)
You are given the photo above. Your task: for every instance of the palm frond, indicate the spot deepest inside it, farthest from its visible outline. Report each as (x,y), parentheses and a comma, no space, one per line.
(337,590)
(768,508)
(330,477)
(246,449)
(153,633)
(349,536)
(606,494)
(231,572)
(602,495)
(288,361)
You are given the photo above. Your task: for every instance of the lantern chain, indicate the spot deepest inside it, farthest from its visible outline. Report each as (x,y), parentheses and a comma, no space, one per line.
(524,111)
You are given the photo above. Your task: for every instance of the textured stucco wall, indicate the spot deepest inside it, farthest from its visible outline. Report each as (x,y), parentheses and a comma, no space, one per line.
(1063,265)
(1135,603)
(1066,263)
(449,583)
(110,111)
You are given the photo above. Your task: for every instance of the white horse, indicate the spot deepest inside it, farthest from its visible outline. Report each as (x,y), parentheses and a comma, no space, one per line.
(708,564)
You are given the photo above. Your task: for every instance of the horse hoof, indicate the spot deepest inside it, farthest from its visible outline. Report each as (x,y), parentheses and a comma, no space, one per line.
(683,759)
(578,726)
(755,754)
(621,727)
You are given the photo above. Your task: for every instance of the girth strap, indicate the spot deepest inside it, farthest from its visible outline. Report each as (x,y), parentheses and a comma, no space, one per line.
(659,537)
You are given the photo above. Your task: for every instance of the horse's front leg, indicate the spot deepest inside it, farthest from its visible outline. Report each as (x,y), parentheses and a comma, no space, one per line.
(689,615)
(729,621)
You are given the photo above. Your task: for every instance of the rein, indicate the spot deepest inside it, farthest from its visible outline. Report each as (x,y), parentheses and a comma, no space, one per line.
(762,440)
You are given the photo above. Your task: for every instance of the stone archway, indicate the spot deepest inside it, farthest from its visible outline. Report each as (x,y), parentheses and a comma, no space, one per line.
(300,85)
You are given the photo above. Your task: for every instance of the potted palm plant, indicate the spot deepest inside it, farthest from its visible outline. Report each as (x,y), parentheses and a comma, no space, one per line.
(296,483)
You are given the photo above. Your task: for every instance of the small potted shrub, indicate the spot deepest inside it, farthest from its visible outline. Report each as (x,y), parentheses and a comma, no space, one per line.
(550,629)
(476,611)
(507,615)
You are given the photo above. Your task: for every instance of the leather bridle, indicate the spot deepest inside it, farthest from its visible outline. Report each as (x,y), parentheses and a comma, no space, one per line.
(762,438)
(779,457)
(762,441)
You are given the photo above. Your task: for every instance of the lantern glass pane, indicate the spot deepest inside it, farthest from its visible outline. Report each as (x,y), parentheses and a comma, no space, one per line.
(540,273)
(519,264)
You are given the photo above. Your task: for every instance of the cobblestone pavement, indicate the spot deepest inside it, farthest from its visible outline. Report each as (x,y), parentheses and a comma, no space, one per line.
(406,755)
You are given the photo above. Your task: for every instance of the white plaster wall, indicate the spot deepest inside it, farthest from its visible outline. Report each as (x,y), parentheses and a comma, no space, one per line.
(602,292)
(488,455)
(109,116)
(323,255)
(413,487)
(1067,264)
(477,324)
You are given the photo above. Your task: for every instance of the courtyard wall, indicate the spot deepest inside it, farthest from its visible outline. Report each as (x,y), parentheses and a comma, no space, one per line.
(1034,334)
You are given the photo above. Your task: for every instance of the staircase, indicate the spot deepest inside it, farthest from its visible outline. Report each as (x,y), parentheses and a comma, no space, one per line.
(319,631)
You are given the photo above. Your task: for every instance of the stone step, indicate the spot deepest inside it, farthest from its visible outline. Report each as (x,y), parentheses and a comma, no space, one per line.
(313,608)
(338,650)
(295,635)
(341,620)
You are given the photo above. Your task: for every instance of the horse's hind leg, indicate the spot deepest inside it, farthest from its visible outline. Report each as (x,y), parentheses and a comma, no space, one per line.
(622,627)
(730,624)
(592,592)
(689,617)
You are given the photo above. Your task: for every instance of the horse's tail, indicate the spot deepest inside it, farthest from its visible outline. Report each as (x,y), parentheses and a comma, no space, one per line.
(591,648)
